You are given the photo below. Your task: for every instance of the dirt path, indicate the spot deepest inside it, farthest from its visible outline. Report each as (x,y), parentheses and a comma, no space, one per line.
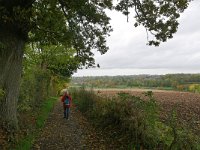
(73,134)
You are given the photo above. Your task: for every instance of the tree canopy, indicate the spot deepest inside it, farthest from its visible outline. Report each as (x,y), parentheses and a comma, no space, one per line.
(84,25)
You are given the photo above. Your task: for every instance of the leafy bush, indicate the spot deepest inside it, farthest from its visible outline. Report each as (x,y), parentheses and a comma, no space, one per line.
(136,117)
(86,101)
(34,89)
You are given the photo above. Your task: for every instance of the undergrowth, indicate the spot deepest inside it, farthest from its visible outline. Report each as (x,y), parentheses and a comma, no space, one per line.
(26,142)
(135,121)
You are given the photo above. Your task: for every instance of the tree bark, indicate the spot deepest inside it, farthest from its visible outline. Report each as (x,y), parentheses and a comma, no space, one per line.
(11,55)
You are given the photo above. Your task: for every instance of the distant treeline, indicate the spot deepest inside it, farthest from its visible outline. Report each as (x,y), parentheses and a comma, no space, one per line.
(182,82)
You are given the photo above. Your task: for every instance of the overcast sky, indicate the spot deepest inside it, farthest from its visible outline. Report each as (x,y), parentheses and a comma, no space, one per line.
(129,54)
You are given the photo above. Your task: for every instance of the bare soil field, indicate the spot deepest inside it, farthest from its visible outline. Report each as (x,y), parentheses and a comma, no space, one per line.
(186,104)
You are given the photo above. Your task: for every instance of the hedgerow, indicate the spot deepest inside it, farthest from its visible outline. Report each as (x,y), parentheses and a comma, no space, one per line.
(136,120)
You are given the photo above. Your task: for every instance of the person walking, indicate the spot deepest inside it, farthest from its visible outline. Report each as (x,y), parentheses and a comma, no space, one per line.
(67,101)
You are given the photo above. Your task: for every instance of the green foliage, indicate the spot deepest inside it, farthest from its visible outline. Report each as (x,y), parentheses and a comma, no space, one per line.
(26,142)
(193,87)
(78,24)
(181,82)
(27,87)
(84,25)
(57,59)
(86,103)
(34,89)
(137,120)
(44,113)
(60,61)
(183,138)
(144,116)
(42,72)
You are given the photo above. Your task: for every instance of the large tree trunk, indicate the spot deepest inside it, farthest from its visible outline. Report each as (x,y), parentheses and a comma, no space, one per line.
(11,54)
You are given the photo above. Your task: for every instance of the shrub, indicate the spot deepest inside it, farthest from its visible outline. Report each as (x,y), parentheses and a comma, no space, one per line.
(136,117)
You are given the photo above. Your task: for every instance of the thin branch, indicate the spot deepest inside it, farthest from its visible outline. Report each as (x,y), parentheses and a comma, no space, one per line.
(138,5)
(147,34)
(63,8)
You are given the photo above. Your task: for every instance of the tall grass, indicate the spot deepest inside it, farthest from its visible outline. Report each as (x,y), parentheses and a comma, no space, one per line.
(136,120)
(27,141)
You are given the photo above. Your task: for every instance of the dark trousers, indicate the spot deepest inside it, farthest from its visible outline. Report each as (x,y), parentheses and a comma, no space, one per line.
(66,112)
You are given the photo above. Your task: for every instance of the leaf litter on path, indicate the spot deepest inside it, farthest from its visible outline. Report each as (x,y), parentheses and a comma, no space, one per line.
(73,134)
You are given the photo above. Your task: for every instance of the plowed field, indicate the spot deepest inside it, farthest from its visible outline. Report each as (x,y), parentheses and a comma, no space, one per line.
(186,104)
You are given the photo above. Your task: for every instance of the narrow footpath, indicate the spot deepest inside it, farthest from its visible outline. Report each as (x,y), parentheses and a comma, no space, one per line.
(73,134)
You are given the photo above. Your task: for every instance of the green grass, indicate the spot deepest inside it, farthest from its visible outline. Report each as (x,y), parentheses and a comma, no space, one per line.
(27,141)
(45,109)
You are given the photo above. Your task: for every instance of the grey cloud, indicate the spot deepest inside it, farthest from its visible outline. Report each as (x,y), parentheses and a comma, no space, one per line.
(128,49)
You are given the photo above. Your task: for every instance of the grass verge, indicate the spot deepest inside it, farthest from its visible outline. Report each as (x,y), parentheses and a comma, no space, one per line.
(26,142)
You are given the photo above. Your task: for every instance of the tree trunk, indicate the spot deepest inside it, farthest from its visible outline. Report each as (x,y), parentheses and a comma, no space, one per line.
(11,54)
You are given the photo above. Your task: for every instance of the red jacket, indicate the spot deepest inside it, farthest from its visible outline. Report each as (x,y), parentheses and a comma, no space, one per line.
(63,99)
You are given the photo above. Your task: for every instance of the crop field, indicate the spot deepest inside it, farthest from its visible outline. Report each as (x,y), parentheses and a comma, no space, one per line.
(187,105)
